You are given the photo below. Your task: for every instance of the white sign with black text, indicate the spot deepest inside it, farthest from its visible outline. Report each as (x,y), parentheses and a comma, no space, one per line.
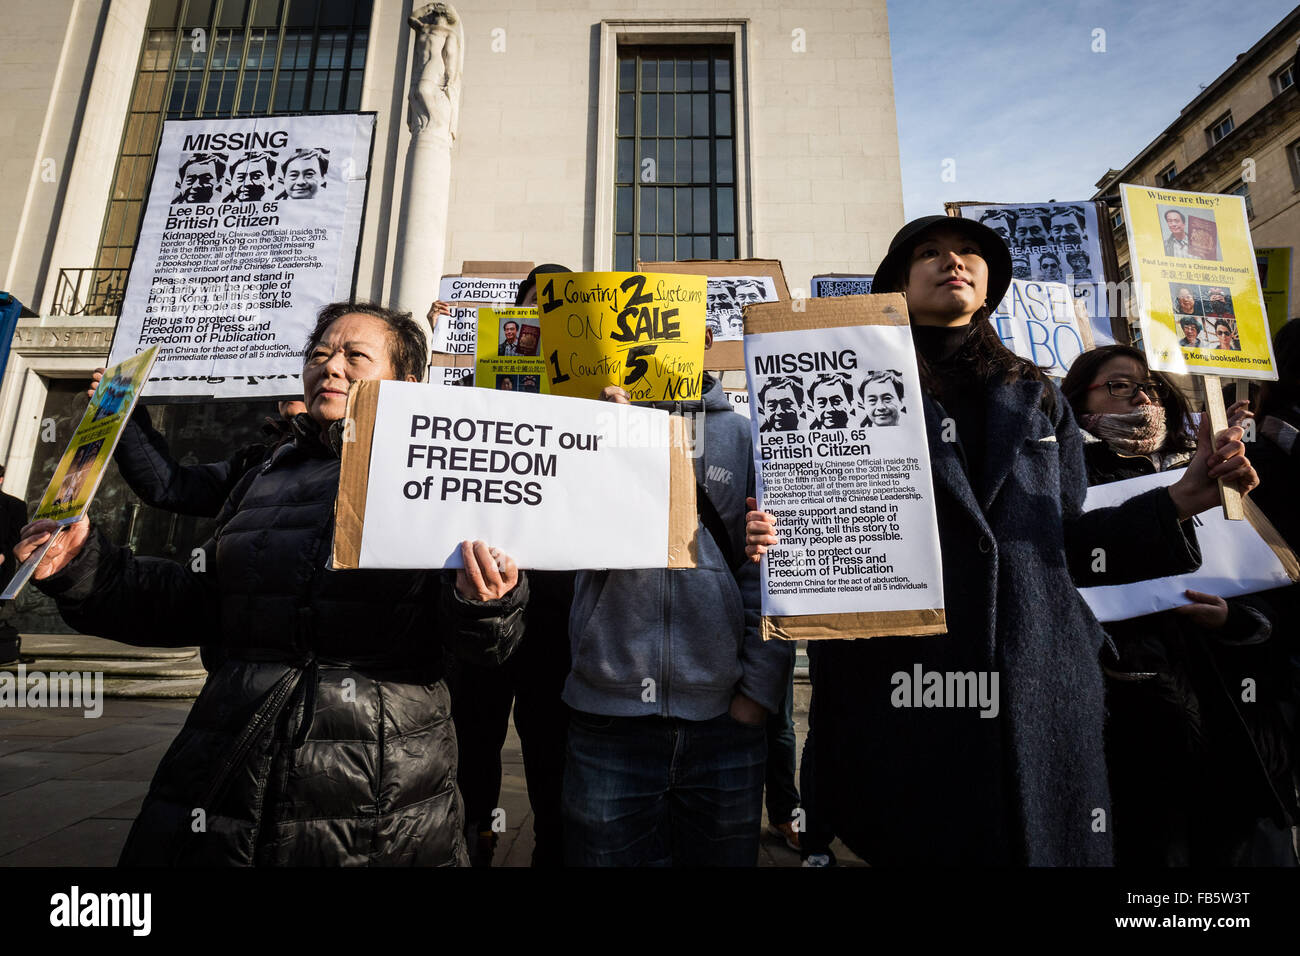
(557,483)
(842,461)
(1235,560)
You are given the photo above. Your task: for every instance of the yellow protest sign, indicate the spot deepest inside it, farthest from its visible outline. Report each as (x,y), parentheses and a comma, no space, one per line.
(508,355)
(1200,304)
(1275,278)
(643,331)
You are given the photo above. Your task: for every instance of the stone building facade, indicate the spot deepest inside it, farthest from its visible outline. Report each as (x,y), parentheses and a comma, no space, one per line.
(771,126)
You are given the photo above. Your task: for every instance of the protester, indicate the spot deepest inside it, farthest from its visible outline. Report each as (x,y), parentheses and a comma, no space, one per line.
(1024,783)
(532,681)
(323,738)
(672,684)
(1198,777)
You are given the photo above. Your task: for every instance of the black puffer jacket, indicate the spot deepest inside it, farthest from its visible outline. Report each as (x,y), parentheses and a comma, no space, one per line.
(1195,758)
(324,735)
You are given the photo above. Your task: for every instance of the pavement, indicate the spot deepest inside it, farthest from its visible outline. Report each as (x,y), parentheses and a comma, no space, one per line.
(70,785)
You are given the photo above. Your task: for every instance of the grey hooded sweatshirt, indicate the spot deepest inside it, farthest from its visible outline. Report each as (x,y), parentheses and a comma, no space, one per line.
(682,643)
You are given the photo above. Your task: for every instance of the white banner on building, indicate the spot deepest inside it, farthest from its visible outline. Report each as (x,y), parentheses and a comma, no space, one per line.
(251,226)
(843,463)
(550,480)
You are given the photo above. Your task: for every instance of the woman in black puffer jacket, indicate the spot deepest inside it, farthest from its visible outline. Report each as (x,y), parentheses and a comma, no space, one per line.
(1200,768)
(323,736)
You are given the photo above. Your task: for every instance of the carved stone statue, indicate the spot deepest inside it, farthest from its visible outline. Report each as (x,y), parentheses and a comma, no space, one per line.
(436,73)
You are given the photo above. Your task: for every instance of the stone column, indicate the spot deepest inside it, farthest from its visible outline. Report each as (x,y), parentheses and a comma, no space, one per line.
(432,112)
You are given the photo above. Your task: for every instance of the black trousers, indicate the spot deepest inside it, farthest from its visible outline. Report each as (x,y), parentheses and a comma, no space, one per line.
(531,681)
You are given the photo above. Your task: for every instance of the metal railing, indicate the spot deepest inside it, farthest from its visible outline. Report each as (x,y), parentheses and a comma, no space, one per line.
(89,292)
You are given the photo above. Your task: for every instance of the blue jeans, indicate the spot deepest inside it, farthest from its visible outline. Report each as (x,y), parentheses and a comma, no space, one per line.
(659,791)
(782,797)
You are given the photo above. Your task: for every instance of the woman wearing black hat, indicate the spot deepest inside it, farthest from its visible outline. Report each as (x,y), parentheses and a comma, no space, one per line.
(1019,777)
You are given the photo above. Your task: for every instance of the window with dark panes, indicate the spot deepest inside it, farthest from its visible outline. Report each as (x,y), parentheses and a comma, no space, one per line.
(229,58)
(675,162)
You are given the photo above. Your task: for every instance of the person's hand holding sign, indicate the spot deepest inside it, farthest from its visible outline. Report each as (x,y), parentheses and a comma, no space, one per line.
(61,553)
(615,394)
(95,378)
(1225,458)
(760,531)
(488,575)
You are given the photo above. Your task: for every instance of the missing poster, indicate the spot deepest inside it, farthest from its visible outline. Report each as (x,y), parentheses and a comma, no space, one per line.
(842,462)
(728,296)
(251,226)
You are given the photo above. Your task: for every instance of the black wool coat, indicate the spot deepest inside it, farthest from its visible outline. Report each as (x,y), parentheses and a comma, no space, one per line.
(323,736)
(929,786)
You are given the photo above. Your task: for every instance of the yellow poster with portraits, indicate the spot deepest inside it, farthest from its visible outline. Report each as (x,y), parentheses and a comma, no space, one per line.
(1194,275)
(80,470)
(641,331)
(508,353)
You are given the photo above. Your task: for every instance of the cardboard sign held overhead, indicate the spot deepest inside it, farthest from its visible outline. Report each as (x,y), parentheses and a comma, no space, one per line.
(727,355)
(842,460)
(546,479)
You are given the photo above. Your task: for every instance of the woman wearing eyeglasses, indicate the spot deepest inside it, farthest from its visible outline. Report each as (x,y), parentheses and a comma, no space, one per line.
(1198,776)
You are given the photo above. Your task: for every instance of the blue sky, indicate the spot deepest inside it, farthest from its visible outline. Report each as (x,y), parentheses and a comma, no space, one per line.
(1012,91)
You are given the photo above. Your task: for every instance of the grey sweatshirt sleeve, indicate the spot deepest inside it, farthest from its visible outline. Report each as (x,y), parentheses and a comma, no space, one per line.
(765,665)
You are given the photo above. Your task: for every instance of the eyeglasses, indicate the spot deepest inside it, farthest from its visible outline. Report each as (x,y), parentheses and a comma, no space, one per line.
(1130,389)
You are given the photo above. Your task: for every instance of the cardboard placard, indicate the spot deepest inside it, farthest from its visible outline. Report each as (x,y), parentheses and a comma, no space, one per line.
(643,332)
(427,458)
(849,312)
(725,356)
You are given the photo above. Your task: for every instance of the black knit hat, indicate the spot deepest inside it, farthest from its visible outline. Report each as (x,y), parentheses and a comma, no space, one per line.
(891,275)
(531,281)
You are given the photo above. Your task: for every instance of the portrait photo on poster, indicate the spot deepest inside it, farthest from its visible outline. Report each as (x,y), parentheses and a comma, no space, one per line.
(872,398)
(1189,233)
(727,298)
